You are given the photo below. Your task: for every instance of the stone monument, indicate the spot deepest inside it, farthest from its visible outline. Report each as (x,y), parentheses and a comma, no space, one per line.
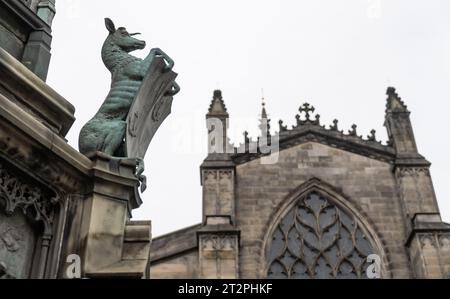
(140,99)
(66,214)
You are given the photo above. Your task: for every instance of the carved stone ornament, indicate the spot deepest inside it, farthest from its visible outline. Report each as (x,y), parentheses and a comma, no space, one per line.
(444,241)
(17,195)
(225,174)
(428,240)
(219,243)
(210,175)
(413,171)
(318,239)
(11,239)
(309,128)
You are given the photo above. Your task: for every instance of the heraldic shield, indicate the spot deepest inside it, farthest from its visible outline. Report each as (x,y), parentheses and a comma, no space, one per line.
(152,105)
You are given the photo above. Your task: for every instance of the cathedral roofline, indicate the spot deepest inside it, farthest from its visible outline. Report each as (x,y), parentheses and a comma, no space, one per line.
(185,240)
(308,128)
(319,134)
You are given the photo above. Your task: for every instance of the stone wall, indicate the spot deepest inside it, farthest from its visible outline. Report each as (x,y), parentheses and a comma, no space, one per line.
(25,32)
(368,185)
(13,33)
(262,192)
(255,204)
(178,267)
(430,255)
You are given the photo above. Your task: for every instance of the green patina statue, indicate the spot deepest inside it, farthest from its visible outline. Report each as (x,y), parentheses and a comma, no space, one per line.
(106,132)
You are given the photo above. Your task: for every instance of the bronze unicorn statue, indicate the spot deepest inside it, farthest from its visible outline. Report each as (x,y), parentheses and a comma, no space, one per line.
(107,130)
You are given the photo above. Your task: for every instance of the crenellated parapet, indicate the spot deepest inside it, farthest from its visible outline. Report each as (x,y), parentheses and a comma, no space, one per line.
(308,127)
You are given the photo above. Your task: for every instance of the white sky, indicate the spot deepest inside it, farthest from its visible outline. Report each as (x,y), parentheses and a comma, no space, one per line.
(339,56)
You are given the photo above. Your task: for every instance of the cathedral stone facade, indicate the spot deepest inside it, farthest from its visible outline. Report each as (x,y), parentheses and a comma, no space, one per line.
(323,203)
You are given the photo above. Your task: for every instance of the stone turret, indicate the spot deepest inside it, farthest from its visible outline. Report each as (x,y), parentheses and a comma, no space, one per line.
(399,126)
(411,169)
(218,239)
(217,121)
(429,238)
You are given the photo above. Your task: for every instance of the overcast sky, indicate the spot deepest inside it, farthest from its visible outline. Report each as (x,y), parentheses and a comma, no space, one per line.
(339,56)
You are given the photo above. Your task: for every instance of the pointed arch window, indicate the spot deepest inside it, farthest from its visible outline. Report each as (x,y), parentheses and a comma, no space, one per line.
(318,239)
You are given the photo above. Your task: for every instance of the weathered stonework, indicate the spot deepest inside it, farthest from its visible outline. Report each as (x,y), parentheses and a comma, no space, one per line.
(387,189)
(430,254)
(343,196)
(25,32)
(218,255)
(218,195)
(366,186)
(56,202)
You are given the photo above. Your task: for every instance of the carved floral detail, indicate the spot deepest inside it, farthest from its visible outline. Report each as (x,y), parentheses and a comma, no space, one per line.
(413,171)
(427,240)
(317,239)
(225,174)
(11,239)
(210,175)
(219,242)
(18,195)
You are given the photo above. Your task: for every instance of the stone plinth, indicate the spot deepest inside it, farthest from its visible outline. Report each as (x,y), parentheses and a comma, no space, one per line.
(111,245)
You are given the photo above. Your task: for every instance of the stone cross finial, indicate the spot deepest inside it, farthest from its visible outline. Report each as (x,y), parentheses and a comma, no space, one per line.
(307,109)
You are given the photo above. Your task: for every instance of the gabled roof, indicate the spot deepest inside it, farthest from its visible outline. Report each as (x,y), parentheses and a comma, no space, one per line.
(309,128)
(174,243)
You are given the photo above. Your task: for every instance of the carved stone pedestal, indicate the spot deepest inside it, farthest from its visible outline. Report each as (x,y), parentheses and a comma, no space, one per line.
(110,244)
